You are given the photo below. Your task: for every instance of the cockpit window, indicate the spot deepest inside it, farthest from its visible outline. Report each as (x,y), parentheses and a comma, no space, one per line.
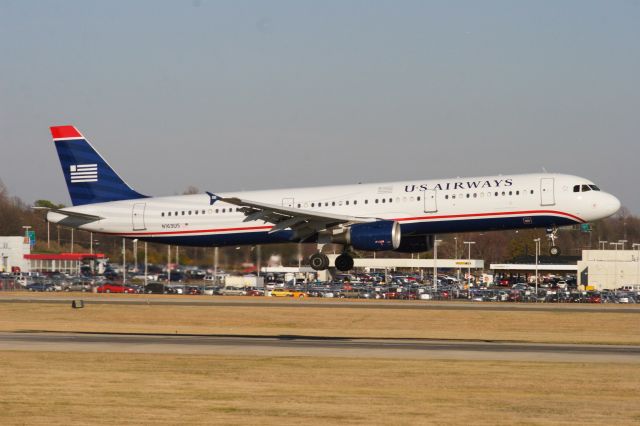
(585,188)
(594,187)
(576,188)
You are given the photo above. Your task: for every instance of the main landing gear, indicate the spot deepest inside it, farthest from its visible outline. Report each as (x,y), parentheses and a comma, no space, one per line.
(554,250)
(320,262)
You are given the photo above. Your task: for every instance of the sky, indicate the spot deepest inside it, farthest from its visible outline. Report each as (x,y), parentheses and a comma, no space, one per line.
(242,95)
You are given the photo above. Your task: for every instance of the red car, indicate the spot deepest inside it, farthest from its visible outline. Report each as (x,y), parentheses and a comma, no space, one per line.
(115,288)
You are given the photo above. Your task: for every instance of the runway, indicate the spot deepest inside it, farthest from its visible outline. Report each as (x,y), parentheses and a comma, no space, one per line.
(268,302)
(315,346)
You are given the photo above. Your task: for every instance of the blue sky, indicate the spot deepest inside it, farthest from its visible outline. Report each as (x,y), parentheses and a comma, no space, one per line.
(252,95)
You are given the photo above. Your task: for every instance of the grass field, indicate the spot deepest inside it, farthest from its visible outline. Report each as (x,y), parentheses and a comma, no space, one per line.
(66,388)
(123,388)
(562,326)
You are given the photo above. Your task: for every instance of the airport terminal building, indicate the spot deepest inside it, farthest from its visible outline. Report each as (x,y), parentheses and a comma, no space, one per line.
(609,269)
(12,254)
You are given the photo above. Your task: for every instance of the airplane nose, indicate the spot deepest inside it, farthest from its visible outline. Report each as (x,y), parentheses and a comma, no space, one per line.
(611,204)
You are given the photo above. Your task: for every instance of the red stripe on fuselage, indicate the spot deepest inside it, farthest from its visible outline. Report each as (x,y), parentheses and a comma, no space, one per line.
(421,218)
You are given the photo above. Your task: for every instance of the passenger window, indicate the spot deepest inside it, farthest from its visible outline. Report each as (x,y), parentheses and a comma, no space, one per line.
(376,201)
(298,205)
(453,196)
(224,210)
(510,193)
(517,192)
(366,201)
(162,214)
(532,191)
(418,198)
(497,194)
(169,214)
(346,202)
(333,203)
(176,213)
(468,195)
(475,195)
(446,197)
(384,200)
(325,204)
(313,204)
(189,211)
(355,202)
(217,210)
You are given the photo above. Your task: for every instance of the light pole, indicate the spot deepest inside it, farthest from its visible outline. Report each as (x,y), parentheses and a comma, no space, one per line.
(537,240)
(146,265)
(615,265)
(135,255)
(637,246)
(90,242)
(622,242)
(124,264)
(435,264)
(469,265)
(71,240)
(455,239)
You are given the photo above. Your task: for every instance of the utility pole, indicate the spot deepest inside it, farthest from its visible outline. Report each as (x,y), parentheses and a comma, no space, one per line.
(537,240)
(469,265)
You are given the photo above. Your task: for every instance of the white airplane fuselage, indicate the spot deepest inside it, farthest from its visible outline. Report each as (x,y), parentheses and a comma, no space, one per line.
(420,207)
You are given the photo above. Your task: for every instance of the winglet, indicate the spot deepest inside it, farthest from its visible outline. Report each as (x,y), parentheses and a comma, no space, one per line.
(65,132)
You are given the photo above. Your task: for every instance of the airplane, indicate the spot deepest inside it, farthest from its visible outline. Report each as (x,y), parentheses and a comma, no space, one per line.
(398,216)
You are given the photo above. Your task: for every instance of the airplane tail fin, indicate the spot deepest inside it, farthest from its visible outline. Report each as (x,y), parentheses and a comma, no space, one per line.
(89,178)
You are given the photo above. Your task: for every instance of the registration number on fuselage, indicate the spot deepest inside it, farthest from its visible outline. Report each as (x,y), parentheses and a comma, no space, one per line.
(170,225)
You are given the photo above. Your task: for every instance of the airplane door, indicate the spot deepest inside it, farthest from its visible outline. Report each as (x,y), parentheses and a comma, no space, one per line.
(547,196)
(137,216)
(287,202)
(430,201)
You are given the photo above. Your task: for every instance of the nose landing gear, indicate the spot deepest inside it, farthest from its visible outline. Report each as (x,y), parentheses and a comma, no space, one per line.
(554,250)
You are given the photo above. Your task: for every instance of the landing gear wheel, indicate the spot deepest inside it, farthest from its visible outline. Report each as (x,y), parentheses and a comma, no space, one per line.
(554,251)
(319,261)
(344,262)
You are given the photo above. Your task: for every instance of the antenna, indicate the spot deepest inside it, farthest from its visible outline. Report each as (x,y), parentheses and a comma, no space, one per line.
(544,169)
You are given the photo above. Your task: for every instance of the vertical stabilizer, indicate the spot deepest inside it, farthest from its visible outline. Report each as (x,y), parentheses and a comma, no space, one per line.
(89,177)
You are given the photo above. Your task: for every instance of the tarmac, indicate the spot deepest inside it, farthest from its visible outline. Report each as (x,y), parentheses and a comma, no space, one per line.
(267,302)
(315,346)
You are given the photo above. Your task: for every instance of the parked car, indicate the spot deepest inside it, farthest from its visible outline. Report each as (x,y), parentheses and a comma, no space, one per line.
(284,292)
(158,288)
(233,291)
(41,286)
(115,288)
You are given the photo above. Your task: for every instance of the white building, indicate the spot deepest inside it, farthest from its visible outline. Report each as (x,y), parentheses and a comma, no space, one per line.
(12,251)
(609,269)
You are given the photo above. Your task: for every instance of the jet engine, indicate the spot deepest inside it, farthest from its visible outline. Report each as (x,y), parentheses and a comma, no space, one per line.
(373,236)
(415,244)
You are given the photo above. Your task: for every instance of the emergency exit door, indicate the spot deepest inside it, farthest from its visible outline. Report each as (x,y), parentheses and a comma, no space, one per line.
(430,201)
(137,216)
(547,196)
(287,202)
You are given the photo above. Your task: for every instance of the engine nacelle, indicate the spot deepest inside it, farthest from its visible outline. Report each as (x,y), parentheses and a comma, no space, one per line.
(415,244)
(374,236)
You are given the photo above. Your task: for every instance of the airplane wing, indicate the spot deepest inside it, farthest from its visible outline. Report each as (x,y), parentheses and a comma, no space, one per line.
(304,222)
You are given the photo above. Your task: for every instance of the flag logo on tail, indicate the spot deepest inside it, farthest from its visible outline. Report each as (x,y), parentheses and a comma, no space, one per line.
(83,173)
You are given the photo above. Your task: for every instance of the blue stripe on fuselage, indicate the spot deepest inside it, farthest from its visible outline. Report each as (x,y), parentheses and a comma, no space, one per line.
(411,228)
